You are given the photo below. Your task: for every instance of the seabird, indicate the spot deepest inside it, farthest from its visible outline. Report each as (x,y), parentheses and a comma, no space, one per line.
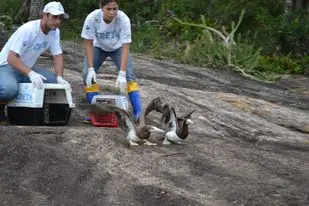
(178,126)
(178,129)
(135,133)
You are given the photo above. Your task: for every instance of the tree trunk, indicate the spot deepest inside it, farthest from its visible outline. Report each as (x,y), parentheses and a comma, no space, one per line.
(23,13)
(35,8)
(296,5)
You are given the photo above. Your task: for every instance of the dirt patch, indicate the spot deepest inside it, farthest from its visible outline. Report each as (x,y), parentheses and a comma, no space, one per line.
(249,145)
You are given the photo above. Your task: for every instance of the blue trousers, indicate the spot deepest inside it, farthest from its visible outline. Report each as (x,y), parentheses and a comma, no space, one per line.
(10,77)
(99,57)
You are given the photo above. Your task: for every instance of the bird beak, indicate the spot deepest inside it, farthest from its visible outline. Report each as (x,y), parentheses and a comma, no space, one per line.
(156,130)
(189,121)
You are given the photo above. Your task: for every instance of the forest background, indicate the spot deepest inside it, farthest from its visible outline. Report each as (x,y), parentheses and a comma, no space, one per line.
(263,40)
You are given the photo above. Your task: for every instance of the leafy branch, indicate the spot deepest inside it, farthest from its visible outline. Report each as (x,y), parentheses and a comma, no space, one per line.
(227,39)
(227,44)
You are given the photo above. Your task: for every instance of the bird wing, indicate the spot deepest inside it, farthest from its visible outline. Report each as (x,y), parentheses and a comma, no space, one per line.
(182,119)
(166,115)
(186,116)
(168,118)
(173,115)
(155,104)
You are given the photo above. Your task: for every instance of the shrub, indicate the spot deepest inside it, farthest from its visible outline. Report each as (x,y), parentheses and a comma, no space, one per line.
(272,67)
(7,21)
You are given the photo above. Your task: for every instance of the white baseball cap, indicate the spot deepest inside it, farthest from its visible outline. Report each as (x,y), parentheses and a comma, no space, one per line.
(55,8)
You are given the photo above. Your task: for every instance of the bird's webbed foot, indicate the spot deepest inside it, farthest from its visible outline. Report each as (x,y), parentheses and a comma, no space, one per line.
(166,142)
(133,143)
(149,143)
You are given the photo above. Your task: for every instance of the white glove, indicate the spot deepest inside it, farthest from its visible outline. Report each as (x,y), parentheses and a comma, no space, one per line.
(91,76)
(60,80)
(121,82)
(36,79)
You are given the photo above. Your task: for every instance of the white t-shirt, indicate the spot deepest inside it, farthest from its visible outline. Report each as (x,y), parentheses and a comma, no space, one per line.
(108,37)
(30,42)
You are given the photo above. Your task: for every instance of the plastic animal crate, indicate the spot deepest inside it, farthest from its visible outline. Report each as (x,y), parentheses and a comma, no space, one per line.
(48,106)
(108,120)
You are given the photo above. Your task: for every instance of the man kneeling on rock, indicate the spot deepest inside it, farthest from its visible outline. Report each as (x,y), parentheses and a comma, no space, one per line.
(21,51)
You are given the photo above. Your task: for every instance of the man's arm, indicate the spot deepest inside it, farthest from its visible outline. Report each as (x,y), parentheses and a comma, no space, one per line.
(124,57)
(58,64)
(15,61)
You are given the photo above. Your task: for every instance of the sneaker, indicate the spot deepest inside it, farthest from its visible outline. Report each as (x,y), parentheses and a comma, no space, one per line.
(86,120)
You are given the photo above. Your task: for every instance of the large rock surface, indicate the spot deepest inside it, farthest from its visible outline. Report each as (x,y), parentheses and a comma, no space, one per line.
(249,145)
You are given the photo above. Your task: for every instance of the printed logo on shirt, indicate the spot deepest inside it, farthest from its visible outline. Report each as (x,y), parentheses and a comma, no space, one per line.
(107,35)
(40,46)
(97,18)
(53,33)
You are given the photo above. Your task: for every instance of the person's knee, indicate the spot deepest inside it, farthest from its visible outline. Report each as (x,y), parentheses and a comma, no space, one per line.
(50,76)
(130,75)
(8,91)
(51,79)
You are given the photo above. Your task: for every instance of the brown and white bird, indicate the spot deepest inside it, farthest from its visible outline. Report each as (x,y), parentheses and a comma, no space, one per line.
(135,133)
(177,127)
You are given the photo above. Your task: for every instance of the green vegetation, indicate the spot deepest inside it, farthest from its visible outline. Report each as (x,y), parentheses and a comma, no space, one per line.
(7,21)
(10,7)
(71,29)
(264,43)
